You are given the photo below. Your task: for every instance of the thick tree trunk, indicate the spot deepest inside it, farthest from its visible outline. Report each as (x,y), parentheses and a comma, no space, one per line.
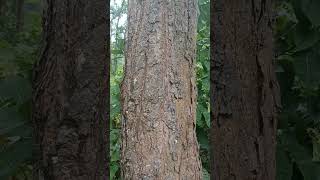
(244,90)
(19,15)
(159,92)
(71,92)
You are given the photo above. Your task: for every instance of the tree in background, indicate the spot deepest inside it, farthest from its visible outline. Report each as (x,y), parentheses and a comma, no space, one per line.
(158,93)
(19,11)
(70,101)
(297,51)
(18,51)
(245,92)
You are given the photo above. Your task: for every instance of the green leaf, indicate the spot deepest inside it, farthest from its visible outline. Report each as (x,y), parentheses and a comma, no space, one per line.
(203,139)
(113,171)
(206,175)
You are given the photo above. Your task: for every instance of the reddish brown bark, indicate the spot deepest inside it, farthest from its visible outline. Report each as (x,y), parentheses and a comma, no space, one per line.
(159,92)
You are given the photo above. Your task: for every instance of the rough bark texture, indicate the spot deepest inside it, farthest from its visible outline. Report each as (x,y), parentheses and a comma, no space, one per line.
(71,92)
(159,92)
(19,15)
(244,91)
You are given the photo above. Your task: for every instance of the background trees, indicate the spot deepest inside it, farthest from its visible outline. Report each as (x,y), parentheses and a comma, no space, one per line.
(18,52)
(297,47)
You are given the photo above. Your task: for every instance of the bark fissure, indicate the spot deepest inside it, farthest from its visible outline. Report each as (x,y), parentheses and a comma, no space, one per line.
(163,88)
(70,94)
(244,105)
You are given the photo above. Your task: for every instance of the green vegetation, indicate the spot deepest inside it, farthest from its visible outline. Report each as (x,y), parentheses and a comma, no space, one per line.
(298,57)
(297,47)
(18,52)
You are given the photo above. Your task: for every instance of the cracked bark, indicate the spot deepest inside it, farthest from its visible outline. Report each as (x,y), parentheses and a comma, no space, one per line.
(70,97)
(158,93)
(244,91)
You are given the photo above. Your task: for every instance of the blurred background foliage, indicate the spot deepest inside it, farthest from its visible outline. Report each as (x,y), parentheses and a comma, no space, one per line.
(19,47)
(297,47)
(297,56)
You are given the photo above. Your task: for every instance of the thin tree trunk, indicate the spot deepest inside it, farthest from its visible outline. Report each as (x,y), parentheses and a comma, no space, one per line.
(19,15)
(2,4)
(244,89)
(3,7)
(159,93)
(70,95)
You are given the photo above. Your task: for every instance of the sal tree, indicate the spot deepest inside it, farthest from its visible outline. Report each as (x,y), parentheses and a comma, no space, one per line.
(244,91)
(70,99)
(159,91)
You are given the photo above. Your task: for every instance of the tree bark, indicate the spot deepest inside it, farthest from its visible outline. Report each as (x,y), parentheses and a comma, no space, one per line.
(244,91)
(71,92)
(19,15)
(159,93)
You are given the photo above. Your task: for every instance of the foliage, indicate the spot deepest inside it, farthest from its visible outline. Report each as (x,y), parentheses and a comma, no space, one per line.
(118,27)
(298,59)
(297,46)
(203,71)
(18,50)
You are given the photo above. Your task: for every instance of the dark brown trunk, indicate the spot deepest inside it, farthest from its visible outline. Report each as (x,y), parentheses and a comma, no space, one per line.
(19,15)
(244,91)
(71,92)
(159,92)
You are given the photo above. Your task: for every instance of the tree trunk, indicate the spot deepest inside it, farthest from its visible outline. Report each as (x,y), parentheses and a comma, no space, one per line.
(71,87)
(244,89)
(2,5)
(159,93)
(19,15)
